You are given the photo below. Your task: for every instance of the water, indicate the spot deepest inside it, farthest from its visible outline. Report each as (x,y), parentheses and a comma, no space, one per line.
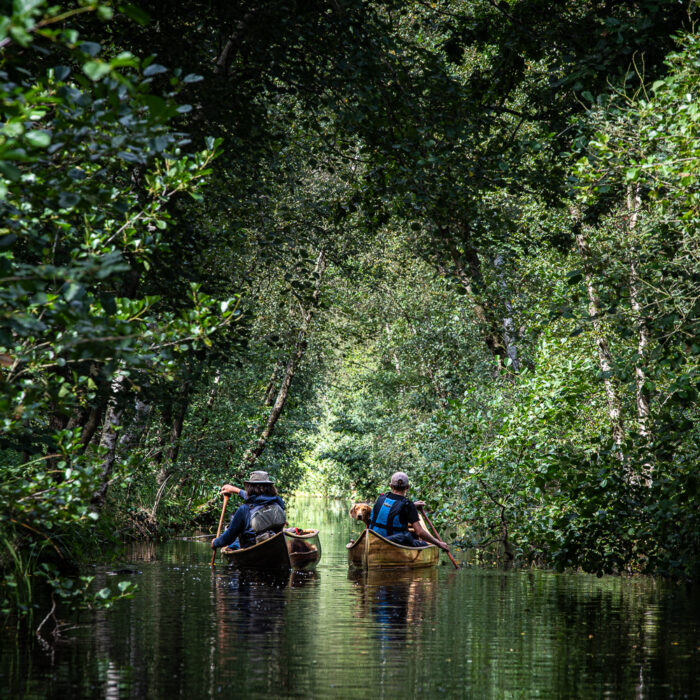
(474,633)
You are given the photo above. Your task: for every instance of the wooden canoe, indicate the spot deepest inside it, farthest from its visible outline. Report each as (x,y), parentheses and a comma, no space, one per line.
(285,550)
(372,550)
(304,547)
(268,554)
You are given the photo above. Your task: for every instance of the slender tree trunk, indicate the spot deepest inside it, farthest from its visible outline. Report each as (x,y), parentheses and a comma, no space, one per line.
(252,454)
(605,361)
(92,422)
(634,203)
(270,390)
(177,424)
(509,333)
(467,276)
(427,371)
(132,435)
(394,356)
(108,440)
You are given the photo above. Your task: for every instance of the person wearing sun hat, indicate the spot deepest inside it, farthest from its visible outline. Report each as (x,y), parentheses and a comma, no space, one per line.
(261,504)
(394,512)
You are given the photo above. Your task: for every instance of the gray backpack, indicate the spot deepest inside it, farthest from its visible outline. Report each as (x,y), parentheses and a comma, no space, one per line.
(269,517)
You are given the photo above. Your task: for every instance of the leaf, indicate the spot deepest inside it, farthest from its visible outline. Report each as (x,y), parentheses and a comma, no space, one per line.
(136,13)
(9,171)
(23,7)
(95,70)
(154,69)
(67,200)
(61,72)
(104,593)
(37,138)
(91,48)
(192,78)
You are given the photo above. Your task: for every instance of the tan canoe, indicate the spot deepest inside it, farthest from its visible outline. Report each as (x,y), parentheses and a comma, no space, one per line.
(372,550)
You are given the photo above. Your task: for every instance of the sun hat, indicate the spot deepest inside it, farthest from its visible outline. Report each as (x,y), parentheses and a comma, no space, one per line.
(399,480)
(259,478)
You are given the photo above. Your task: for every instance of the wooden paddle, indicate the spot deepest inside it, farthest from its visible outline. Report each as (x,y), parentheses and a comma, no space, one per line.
(435,532)
(221,522)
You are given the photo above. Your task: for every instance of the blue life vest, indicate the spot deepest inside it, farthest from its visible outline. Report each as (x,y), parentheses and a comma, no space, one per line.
(385,516)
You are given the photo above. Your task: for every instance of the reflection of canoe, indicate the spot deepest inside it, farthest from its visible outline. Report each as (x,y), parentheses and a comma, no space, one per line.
(370,550)
(285,550)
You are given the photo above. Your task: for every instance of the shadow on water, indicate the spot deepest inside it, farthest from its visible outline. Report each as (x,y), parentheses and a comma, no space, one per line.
(196,632)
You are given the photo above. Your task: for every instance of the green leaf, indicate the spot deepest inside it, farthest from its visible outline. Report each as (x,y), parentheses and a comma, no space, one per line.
(95,70)
(37,138)
(154,69)
(136,13)
(104,593)
(10,171)
(67,200)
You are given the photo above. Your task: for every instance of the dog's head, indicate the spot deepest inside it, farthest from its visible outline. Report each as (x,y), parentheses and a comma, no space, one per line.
(361,511)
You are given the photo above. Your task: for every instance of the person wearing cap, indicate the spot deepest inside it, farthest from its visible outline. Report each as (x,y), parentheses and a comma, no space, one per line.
(259,492)
(394,512)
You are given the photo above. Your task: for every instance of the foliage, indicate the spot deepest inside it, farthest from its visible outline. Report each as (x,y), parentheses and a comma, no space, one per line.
(88,166)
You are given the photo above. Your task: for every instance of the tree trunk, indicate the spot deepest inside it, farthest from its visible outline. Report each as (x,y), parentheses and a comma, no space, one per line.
(132,435)
(467,280)
(178,421)
(251,455)
(605,361)
(109,438)
(270,390)
(634,203)
(509,333)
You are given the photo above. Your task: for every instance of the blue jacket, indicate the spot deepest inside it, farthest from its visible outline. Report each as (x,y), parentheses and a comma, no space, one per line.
(239,527)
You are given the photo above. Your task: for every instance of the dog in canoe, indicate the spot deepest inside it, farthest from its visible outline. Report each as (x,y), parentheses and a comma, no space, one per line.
(361,511)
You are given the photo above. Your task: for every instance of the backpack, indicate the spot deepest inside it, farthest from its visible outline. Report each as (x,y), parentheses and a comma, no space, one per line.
(269,517)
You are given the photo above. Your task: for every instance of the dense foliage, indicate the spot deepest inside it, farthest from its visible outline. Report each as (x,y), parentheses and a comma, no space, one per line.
(457,238)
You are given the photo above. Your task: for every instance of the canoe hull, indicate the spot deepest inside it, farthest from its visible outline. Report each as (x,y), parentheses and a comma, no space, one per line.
(371,550)
(304,548)
(285,550)
(269,554)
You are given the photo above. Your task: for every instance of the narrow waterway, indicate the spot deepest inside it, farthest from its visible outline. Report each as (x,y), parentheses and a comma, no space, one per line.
(475,633)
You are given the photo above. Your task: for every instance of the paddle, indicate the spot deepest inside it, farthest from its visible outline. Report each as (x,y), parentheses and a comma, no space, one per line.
(221,522)
(435,532)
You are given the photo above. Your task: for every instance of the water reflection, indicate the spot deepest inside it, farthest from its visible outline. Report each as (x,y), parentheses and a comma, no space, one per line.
(193,632)
(394,599)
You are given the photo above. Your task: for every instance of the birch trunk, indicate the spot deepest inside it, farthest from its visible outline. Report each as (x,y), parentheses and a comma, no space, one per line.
(605,361)
(108,440)
(634,203)
(132,435)
(509,334)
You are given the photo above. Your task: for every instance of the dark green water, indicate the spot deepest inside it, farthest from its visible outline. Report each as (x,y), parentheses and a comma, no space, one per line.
(474,633)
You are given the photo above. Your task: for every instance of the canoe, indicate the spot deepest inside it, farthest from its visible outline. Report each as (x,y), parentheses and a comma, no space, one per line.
(290,549)
(372,550)
(268,554)
(304,547)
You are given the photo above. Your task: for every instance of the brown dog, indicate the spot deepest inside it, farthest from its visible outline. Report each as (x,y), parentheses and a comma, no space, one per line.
(361,511)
